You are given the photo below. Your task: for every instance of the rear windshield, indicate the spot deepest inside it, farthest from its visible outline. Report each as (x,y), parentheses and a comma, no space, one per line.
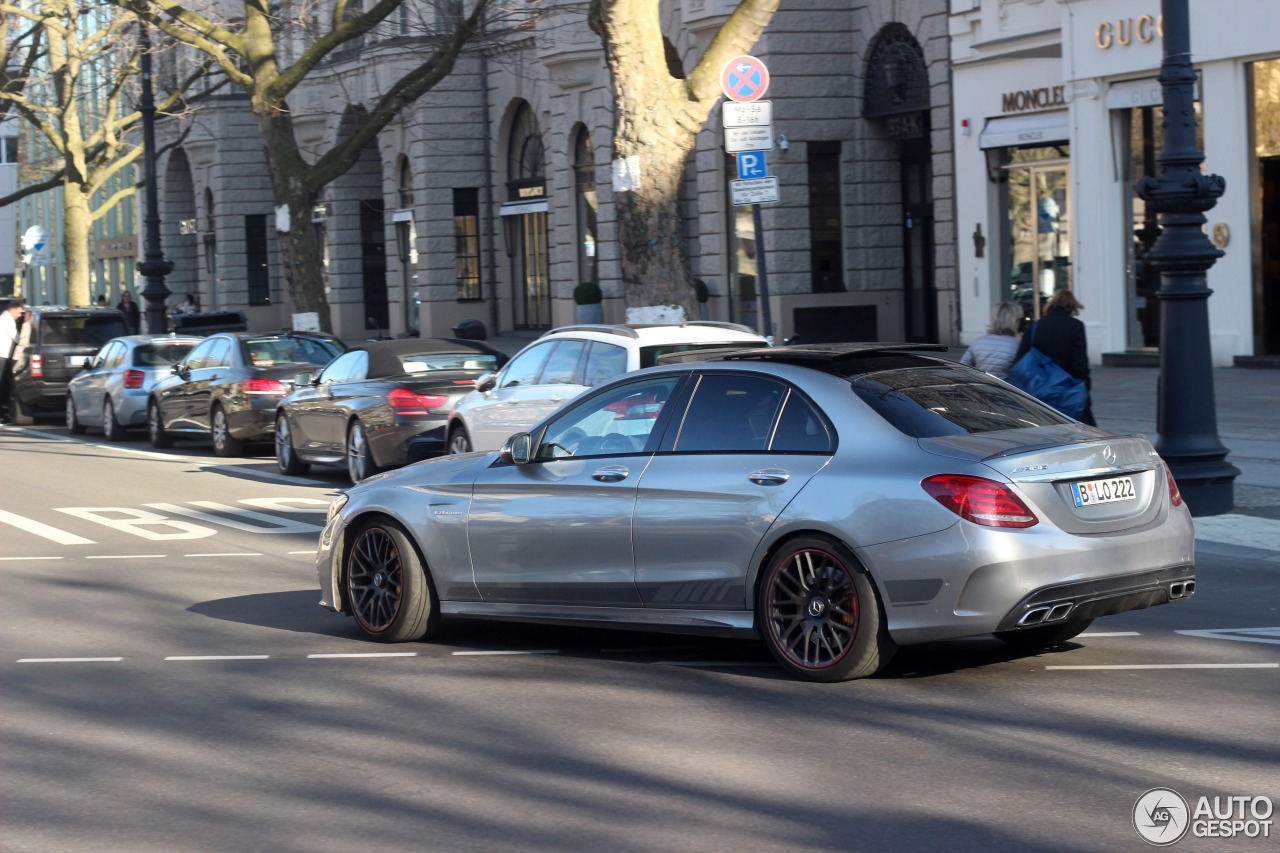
(414,363)
(933,401)
(86,329)
(649,355)
(273,350)
(162,354)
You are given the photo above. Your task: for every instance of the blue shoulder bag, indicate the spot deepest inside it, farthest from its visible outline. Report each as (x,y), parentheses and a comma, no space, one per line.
(1042,378)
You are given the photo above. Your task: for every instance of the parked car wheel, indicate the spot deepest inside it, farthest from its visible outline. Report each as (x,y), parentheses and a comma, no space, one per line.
(459,441)
(286,457)
(22,416)
(388,586)
(224,443)
(73,420)
(819,613)
(112,429)
(1045,636)
(360,462)
(160,438)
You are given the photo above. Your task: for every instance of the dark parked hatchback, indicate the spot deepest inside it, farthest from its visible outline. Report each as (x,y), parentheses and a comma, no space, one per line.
(55,344)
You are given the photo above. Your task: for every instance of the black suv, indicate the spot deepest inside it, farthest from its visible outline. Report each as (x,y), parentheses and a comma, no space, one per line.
(54,350)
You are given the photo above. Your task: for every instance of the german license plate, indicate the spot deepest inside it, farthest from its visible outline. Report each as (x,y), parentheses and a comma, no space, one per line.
(1107,491)
(76,360)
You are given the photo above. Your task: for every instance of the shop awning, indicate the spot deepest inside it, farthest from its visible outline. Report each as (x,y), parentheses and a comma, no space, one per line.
(519,208)
(1034,129)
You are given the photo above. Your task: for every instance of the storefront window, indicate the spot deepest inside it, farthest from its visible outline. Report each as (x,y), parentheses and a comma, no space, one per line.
(1037,243)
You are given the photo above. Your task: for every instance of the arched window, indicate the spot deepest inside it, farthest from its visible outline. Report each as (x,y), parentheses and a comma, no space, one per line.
(526,161)
(525,221)
(584,186)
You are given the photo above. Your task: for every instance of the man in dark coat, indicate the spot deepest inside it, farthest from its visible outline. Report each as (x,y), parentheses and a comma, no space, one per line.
(132,314)
(1060,336)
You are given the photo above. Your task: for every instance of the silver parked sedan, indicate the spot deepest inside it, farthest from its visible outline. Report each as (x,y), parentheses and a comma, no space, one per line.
(834,500)
(111,392)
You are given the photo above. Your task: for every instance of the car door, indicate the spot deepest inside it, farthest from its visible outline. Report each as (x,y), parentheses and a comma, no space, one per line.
(744,448)
(215,368)
(558,529)
(89,388)
(338,391)
(173,393)
(310,406)
(490,420)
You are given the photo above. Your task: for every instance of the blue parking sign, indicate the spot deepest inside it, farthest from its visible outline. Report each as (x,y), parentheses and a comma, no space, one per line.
(751,165)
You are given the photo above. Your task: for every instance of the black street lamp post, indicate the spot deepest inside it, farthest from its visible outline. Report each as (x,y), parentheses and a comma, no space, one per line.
(1186,414)
(153,265)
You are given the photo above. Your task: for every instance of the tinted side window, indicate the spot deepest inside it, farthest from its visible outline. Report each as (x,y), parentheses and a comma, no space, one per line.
(800,429)
(200,355)
(220,355)
(524,369)
(342,368)
(731,413)
(115,355)
(562,366)
(928,402)
(616,421)
(604,362)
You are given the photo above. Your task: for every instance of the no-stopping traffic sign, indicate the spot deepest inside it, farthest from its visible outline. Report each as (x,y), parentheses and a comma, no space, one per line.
(744,79)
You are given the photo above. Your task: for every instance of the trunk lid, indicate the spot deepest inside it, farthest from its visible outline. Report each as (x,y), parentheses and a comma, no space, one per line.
(1119,478)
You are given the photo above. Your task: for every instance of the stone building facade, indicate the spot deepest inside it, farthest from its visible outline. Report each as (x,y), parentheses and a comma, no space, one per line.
(492,197)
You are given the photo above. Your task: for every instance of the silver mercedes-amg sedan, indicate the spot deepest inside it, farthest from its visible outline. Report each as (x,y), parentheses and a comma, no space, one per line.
(836,501)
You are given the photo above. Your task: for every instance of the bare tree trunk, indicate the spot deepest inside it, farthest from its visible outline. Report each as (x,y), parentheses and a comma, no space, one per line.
(77,225)
(651,240)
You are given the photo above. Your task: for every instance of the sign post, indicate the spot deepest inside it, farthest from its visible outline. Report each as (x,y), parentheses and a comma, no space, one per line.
(748,133)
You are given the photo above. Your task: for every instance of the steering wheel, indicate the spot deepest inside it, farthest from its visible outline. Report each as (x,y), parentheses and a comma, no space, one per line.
(616,442)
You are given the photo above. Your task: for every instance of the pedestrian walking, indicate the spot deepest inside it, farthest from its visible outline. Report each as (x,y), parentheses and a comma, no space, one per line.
(8,351)
(996,351)
(1060,336)
(132,316)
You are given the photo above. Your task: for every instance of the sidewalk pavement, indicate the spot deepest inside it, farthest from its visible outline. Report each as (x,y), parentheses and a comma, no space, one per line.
(1124,401)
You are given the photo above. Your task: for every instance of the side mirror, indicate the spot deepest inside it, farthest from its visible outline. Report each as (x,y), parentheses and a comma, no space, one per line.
(486,382)
(88,363)
(177,368)
(516,449)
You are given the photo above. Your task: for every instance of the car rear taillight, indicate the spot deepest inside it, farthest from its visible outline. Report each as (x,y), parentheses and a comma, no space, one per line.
(133,379)
(1175,496)
(405,402)
(272,387)
(981,501)
(37,365)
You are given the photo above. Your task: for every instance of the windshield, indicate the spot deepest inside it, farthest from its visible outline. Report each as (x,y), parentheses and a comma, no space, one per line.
(929,402)
(162,354)
(649,355)
(87,329)
(275,350)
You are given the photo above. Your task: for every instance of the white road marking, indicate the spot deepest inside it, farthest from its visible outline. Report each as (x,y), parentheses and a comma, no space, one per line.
(236,518)
(229,554)
(139,522)
(312,552)
(69,660)
(30,558)
(520,652)
(1110,634)
(266,475)
(288,504)
(62,537)
(168,457)
(367,655)
(126,556)
(1240,635)
(712,663)
(217,657)
(1174,666)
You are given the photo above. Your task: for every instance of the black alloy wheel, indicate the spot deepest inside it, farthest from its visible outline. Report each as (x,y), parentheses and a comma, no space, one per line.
(112,429)
(459,441)
(387,585)
(1044,636)
(224,443)
(360,464)
(73,421)
(160,439)
(286,455)
(820,615)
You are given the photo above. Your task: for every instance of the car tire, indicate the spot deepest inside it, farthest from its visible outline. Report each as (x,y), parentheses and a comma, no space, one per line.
(22,416)
(160,438)
(360,464)
(224,443)
(286,455)
(1044,637)
(112,429)
(387,584)
(459,441)
(819,613)
(73,420)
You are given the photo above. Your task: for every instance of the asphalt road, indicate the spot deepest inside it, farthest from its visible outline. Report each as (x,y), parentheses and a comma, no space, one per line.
(168,683)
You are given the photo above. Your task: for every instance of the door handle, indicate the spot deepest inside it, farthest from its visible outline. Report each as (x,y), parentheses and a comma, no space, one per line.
(769,477)
(610,474)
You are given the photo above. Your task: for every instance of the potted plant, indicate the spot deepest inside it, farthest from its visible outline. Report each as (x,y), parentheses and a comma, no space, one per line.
(588,297)
(703,294)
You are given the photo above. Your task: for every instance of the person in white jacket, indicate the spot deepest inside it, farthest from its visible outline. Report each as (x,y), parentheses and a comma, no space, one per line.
(996,351)
(8,352)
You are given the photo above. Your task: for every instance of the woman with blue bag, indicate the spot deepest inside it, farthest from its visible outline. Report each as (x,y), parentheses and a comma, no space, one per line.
(1058,340)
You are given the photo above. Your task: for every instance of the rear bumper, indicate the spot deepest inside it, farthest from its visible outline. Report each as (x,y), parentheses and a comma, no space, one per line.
(1103,597)
(39,394)
(404,443)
